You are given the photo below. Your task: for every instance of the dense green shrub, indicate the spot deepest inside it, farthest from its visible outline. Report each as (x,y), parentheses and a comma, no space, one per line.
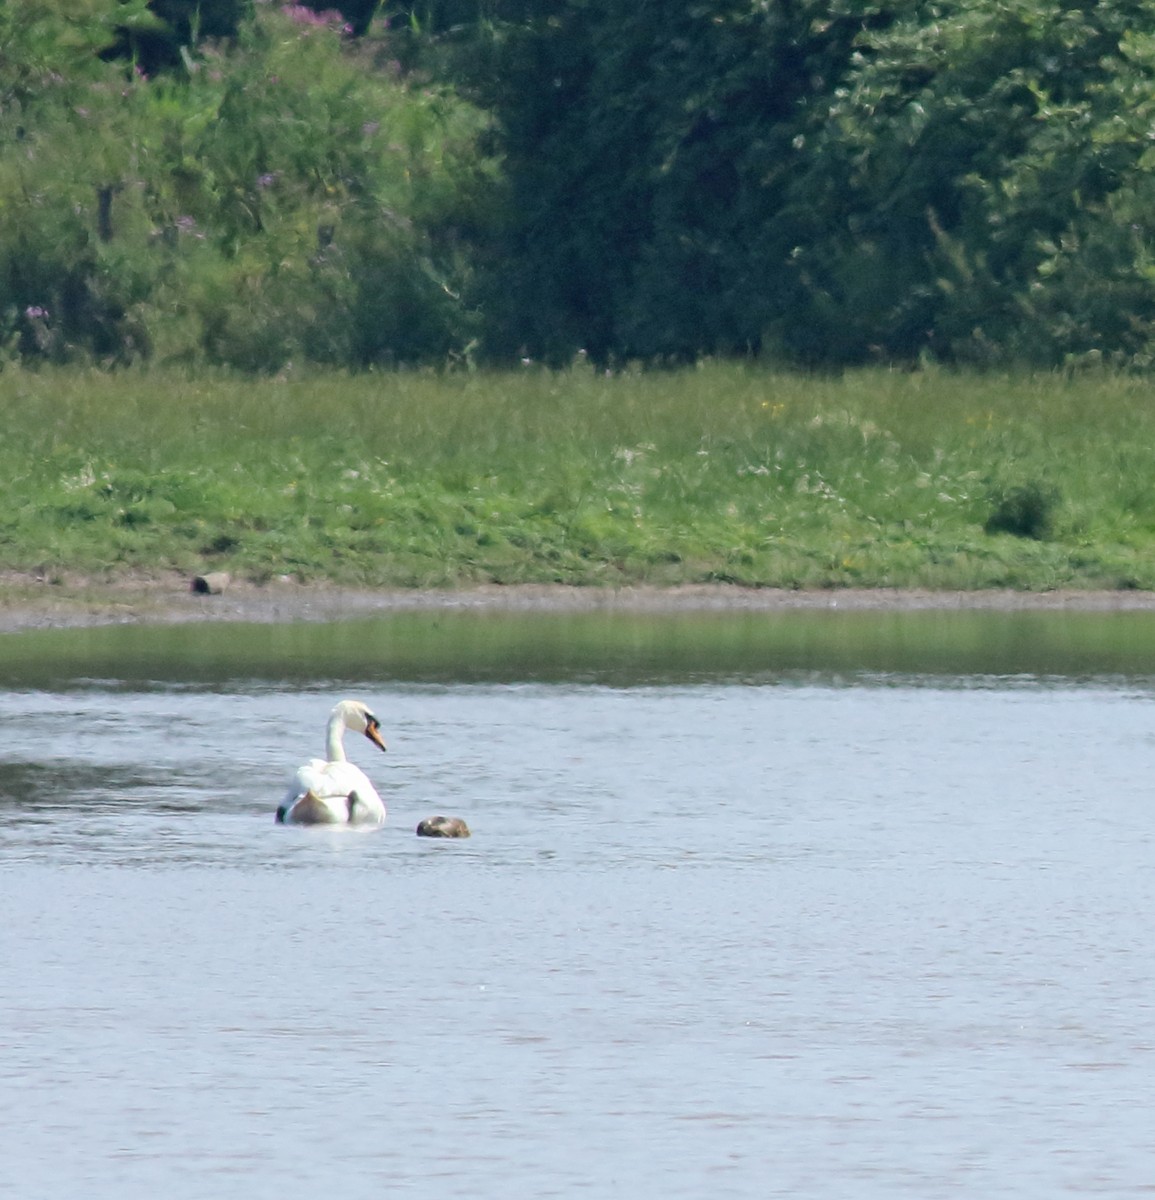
(1026,510)
(289,197)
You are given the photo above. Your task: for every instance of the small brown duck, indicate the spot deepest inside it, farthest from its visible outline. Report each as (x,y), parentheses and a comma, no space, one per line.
(443,827)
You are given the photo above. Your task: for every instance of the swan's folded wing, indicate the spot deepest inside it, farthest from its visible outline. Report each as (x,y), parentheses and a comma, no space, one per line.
(317,777)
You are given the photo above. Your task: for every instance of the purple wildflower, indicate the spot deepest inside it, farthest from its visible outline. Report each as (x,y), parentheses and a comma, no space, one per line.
(306,16)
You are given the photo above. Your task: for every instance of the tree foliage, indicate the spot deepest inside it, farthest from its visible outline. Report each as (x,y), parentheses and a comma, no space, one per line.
(416,180)
(835,183)
(978,189)
(649,151)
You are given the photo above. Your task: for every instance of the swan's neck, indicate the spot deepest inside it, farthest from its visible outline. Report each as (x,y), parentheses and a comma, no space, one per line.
(335,739)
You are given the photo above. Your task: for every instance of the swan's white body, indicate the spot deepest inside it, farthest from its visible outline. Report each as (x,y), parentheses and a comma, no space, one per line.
(334,791)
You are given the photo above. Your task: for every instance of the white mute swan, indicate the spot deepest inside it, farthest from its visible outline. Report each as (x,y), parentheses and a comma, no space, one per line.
(336,792)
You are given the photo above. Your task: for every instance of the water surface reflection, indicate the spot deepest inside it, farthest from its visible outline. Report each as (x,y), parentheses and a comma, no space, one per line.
(619,648)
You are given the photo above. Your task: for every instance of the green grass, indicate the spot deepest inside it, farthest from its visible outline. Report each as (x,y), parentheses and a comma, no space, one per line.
(721,473)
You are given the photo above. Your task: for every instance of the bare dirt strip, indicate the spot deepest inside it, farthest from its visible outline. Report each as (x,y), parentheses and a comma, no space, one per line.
(30,603)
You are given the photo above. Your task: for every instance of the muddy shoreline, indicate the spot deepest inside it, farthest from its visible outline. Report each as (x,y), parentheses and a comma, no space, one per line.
(28,603)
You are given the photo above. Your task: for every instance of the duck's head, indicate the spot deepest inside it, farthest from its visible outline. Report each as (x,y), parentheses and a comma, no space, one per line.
(357,717)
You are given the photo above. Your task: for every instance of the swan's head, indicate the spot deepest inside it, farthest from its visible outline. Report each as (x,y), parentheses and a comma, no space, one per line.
(357,717)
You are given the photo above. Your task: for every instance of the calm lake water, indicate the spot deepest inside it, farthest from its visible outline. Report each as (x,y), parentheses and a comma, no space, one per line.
(793,905)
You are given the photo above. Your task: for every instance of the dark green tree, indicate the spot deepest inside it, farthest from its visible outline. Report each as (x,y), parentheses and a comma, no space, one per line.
(169,41)
(980,189)
(650,150)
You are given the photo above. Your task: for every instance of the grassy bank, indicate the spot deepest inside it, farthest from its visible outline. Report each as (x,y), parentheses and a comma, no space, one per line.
(723,473)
